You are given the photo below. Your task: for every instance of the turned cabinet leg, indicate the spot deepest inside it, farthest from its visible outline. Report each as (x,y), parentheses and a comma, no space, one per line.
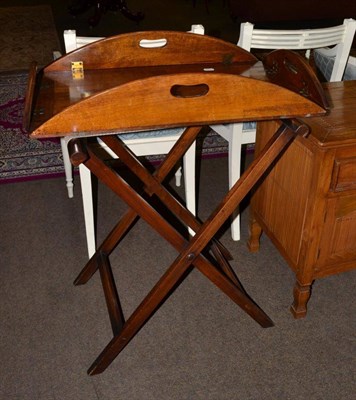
(301,295)
(255,231)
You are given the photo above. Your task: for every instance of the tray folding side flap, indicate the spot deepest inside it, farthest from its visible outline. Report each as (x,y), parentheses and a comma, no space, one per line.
(292,71)
(29,97)
(178,100)
(153,48)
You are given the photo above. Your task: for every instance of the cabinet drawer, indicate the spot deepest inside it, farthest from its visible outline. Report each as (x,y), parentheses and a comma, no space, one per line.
(344,174)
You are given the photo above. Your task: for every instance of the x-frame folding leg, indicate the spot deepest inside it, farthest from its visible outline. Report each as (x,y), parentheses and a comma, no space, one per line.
(112,240)
(190,253)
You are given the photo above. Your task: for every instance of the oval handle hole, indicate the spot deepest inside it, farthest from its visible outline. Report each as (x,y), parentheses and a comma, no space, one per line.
(152,43)
(293,68)
(186,91)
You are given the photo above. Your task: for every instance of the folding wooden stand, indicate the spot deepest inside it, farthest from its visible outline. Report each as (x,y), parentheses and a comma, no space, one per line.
(190,253)
(186,99)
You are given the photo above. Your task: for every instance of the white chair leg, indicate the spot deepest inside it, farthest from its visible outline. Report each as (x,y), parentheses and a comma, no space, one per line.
(178,177)
(68,169)
(189,180)
(234,161)
(87,196)
(232,133)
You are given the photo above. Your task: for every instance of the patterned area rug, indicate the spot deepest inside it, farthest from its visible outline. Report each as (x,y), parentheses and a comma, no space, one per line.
(22,158)
(26,34)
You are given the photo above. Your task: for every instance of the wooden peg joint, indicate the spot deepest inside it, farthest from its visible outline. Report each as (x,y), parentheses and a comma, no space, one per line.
(77,151)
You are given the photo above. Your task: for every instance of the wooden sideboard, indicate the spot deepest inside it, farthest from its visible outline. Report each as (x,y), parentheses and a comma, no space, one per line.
(307,204)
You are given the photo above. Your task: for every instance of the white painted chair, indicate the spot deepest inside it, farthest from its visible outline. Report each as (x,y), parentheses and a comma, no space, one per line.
(141,143)
(340,37)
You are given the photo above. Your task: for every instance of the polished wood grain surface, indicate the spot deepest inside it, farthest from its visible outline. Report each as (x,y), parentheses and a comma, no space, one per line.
(153,48)
(341,126)
(58,90)
(117,109)
(120,59)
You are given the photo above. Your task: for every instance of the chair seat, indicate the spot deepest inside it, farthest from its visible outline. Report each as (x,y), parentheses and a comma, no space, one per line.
(152,134)
(249,126)
(326,64)
(149,142)
(350,71)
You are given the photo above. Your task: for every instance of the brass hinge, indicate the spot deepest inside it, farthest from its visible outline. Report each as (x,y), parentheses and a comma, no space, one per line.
(77,70)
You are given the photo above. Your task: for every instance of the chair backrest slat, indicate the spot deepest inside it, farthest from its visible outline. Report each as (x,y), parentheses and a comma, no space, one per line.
(303,39)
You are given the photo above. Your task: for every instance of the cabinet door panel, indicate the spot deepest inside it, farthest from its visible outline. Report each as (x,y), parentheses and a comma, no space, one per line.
(338,242)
